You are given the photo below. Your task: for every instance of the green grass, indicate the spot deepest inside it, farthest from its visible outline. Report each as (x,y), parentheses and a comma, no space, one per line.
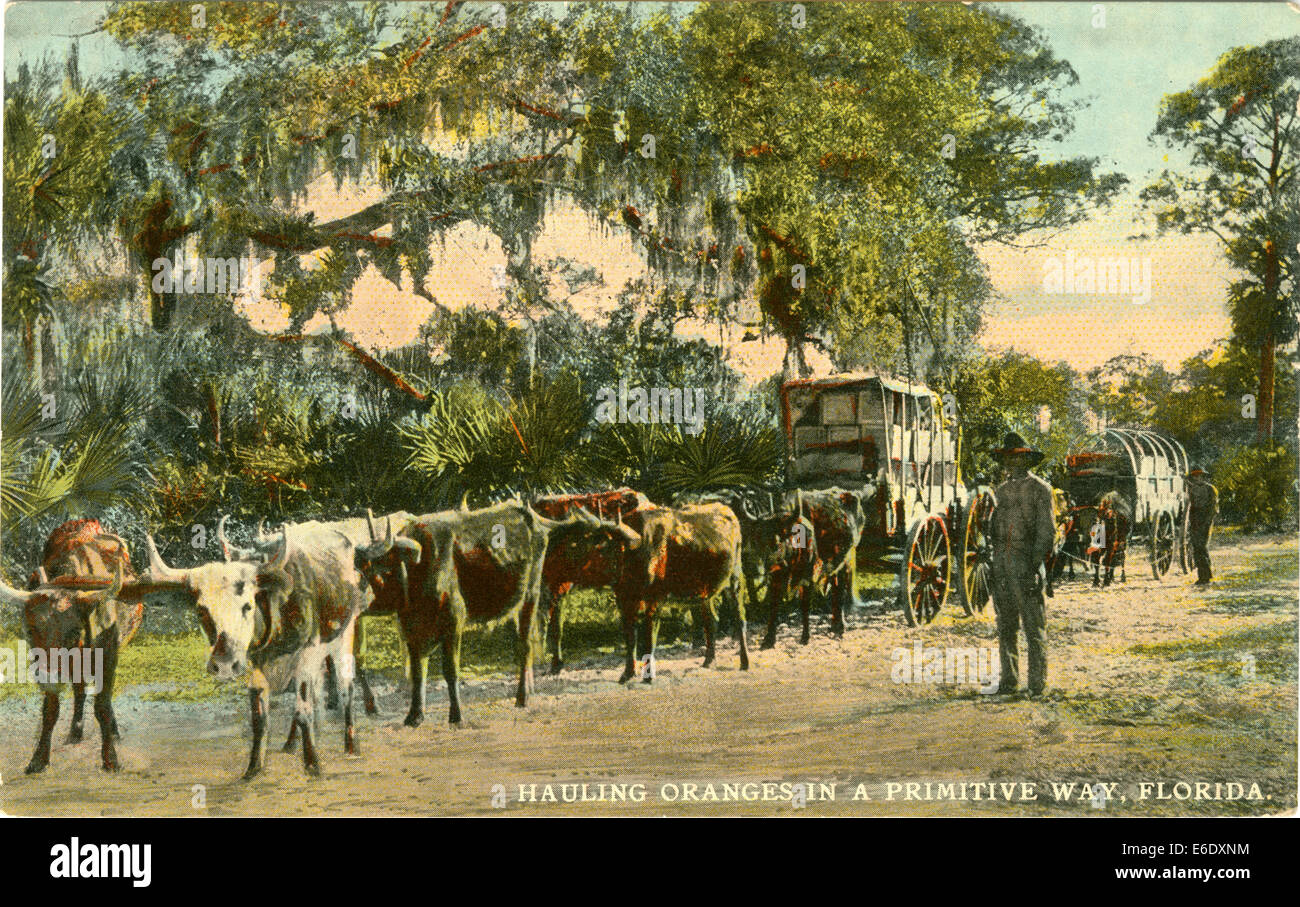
(173,661)
(171,665)
(1272,648)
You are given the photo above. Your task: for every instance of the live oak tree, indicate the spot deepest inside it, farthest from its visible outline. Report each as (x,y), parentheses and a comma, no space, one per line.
(445,114)
(1240,126)
(862,151)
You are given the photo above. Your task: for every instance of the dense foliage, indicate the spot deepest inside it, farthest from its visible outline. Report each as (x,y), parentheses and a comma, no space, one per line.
(799,168)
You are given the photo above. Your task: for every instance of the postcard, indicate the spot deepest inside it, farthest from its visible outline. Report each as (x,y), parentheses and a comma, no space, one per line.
(648,409)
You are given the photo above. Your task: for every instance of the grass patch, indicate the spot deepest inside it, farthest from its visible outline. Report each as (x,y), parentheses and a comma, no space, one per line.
(1269,650)
(151,659)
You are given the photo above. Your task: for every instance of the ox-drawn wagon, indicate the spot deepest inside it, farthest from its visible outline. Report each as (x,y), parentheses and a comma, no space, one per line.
(1145,471)
(891,441)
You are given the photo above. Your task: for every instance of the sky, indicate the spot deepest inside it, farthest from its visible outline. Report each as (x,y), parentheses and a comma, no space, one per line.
(1140,52)
(1143,52)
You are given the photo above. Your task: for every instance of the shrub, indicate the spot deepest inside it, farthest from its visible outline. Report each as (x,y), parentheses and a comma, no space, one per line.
(1257,485)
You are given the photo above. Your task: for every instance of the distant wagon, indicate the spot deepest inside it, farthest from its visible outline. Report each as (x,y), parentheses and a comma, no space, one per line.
(889,439)
(1147,469)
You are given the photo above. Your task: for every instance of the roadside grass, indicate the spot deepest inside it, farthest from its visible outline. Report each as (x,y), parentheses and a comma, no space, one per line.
(170,665)
(1239,677)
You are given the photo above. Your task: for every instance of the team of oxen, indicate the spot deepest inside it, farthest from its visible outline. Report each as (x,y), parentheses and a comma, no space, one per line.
(285,612)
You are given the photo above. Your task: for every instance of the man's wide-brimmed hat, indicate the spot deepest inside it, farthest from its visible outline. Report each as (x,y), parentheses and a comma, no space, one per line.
(1197,471)
(1016,448)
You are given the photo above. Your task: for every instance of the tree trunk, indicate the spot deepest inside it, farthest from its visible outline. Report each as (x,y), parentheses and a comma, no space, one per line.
(1267,349)
(795,364)
(29,345)
(161,306)
(1264,412)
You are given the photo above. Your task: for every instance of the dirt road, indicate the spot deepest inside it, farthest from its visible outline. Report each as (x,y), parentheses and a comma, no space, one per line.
(1155,683)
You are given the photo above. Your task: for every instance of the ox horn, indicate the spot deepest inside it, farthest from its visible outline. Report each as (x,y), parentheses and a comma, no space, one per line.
(370,523)
(234,552)
(13,597)
(111,537)
(42,577)
(221,536)
(464,503)
(631,538)
(282,553)
(158,567)
(112,591)
(408,550)
(536,519)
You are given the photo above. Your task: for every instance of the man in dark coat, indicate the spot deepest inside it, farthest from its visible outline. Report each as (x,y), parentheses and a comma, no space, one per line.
(1023,532)
(1203,506)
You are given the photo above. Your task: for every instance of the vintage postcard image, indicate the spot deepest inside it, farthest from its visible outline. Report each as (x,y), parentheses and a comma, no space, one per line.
(637,409)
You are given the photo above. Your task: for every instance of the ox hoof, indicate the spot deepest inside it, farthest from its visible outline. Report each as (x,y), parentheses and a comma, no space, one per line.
(290,746)
(371,709)
(35,767)
(313,770)
(76,735)
(556,667)
(769,642)
(708,661)
(744,663)
(647,680)
(253,772)
(803,640)
(627,675)
(112,765)
(414,719)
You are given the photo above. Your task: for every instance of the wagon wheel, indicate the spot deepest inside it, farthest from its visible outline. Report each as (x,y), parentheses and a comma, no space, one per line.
(1162,543)
(977,553)
(1184,549)
(925,574)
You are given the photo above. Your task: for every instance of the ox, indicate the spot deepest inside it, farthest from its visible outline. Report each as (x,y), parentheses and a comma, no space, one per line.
(692,552)
(68,619)
(780,545)
(358,531)
(1098,536)
(1059,557)
(443,569)
(571,562)
(838,517)
(278,622)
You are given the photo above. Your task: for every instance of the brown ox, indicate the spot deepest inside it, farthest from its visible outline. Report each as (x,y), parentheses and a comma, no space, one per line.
(570,562)
(781,545)
(690,552)
(443,569)
(73,620)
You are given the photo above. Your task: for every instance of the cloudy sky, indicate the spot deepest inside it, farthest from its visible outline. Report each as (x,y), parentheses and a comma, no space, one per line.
(1141,52)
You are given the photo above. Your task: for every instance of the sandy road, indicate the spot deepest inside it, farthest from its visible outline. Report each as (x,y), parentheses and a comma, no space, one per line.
(1149,682)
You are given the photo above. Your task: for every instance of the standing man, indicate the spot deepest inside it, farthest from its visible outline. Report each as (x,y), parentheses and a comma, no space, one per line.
(1203,507)
(1022,535)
